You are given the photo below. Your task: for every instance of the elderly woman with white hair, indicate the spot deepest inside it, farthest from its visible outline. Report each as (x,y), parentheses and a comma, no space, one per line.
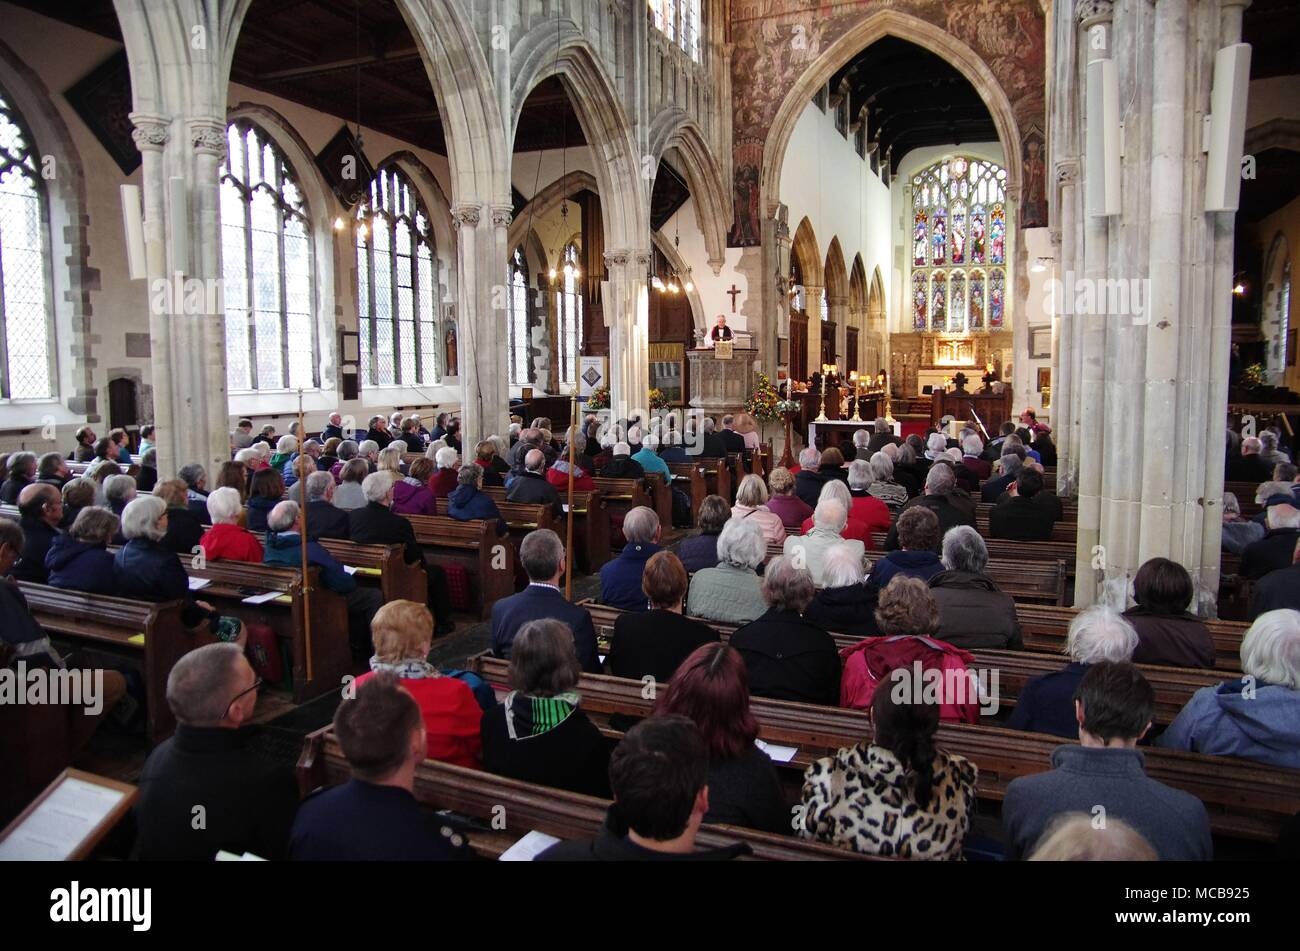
(844,603)
(226,540)
(974,613)
(285,447)
(866,509)
(731,591)
(1256,717)
(829,528)
(857,527)
(1046,703)
(751,505)
(882,485)
(146,571)
(936,445)
(444,480)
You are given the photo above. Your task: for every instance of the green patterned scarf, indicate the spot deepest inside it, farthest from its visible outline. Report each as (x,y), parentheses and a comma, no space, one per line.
(532,716)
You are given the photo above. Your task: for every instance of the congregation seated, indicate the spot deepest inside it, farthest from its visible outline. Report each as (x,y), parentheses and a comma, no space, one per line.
(871,513)
(22,473)
(908,617)
(972,448)
(79,560)
(1238,532)
(411,492)
(731,590)
(378,433)
(881,436)
(226,540)
(558,474)
(654,643)
(264,494)
(911,467)
(787,656)
(184,530)
(195,478)
(950,505)
(537,733)
(528,439)
(1010,463)
(402,633)
(829,527)
(620,578)
(783,503)
(467,502)
(1046,703)
(40,511)
(531,485)
(808,459)
(621,464)
(1269,453)
(1076,837)
(1277,548)
(1114,704)
(78,494)
(292,468)
(390,461)
(1257,716)
(751,505)
(324,518)
(1020,517)
(234,475)
(368,450)
(882,485)
(118,490)
(443,481)
(918,533)
(1167,633)
(85,449)
(349,495)
(711,689)
(896,795)
(347,451)
(974,613)
(103,456)
(808,484)
(375,816)
(488,456)
(701,551)
(284,549)
(845,603)
(329,453)
(1248,466)
(248,800)
(544,561)
(1275,492)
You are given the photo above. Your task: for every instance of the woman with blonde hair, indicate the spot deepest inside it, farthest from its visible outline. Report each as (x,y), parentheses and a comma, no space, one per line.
(402,632)
(751,505)
(1075,837)
(747,426)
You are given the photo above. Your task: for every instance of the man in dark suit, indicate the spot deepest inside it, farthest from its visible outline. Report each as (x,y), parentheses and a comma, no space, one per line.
(714,447)
(1249,467)
(808,481)
(1012,463)
(376,524)
(40,509)
(324,519)
(731,440)
(531,487)
(940,486)
(1275,550)
(1019,518)
(542,555)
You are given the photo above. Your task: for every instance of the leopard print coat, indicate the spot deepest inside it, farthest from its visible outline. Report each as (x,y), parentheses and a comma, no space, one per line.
(860,799)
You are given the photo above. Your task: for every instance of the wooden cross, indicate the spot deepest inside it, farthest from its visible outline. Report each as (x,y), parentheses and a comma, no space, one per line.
(732,294)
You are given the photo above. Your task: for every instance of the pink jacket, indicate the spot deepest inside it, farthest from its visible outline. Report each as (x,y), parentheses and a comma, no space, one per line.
(768,521)
(870,662)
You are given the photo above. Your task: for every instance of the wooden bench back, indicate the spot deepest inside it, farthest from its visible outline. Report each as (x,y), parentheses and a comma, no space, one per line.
(489,558)
(590,525)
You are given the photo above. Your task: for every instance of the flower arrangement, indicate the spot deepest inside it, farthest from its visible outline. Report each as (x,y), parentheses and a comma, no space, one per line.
(1253,375)
(785,407)
(598,398)
(657,399)
(762,403)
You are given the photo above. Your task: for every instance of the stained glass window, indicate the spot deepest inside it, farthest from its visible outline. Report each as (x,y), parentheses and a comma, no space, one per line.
(568,315)
(520,365)
(266,261)
(25,300)
(958,220)
(396,284)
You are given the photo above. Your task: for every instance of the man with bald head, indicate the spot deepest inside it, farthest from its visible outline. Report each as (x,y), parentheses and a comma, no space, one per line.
(531,487)
(41,508)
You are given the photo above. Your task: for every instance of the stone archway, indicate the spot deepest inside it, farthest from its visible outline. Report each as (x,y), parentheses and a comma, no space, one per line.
(864,359)
(673,128)
(837,303)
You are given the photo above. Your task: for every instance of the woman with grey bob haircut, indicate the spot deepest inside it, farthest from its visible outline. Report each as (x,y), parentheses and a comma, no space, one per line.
(701,551)
(731,591)
(974,614)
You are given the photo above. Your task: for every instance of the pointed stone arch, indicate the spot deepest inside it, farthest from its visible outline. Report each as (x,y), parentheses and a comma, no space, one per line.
(807,252)
(548,198)
(673,128)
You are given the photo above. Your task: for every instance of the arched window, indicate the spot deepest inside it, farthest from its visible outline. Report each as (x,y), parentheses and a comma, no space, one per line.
(521,368)
(266,263)
(26,370)
(396,285)
(959,253)
(568,315)
(679,20)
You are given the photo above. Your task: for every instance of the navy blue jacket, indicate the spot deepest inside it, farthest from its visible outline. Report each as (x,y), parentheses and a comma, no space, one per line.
(325,520)
(80,566)
(923,564)
(993,488)
(467,503)
(285,550)
(197,502)
(37,539)
(539,601)
(259,508)
(620,579)
(1046,703)
(148,572)
(365,822)
(699,552)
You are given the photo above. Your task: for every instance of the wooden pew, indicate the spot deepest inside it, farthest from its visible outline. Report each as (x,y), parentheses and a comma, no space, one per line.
(623,495)
(1069,511)
(489,558)
(1245,800)
(381,566)
(590,526)
(229,582)
(531,808)
(147,635)
(690,478)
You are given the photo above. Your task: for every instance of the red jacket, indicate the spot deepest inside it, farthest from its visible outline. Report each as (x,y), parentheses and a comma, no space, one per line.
(869,663)
(230,543)
(858,527)
(443,482)
(582,480)
(451,718)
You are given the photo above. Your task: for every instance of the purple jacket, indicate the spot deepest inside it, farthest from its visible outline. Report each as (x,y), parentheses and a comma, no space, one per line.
(412,497)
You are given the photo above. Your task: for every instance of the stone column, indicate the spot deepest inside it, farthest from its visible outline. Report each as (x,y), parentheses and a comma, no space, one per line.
(481,300)
(627,316)
(812,304)
(1064,411)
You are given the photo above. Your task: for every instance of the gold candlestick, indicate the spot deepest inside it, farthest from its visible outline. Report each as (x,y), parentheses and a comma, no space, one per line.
(857,398)
(821,415)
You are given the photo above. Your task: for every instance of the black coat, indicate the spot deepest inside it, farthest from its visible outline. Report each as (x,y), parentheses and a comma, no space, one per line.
(382,437)
(325,520)
(993,488)
(622,467)
(1248,469)
(732,440)
(572,756)
(10,489)
(789,658)
(537,602)
(746,791)
(184,530)
(248,801)
(375,524)
(1020,519)
(950,515)
(614,846)
(1274,551)
(1277,589)
(365,822)
(877,442)
(531,488)
(37,539)
(714,446)
(654,643)
(808,486)
(850,610)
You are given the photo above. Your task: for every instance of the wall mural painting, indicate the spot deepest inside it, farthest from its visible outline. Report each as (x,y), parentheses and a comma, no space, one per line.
(775,41)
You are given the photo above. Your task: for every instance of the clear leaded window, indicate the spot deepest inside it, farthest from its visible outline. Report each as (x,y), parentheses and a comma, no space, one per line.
(568,315)
(25,299)
(520,365)
(396,284)
(959,253)
(679,20)
(266,263)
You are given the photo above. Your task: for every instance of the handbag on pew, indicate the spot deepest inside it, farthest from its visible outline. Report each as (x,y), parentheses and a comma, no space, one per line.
(263,652)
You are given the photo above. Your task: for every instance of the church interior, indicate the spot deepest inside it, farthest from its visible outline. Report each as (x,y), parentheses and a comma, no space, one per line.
(645,269)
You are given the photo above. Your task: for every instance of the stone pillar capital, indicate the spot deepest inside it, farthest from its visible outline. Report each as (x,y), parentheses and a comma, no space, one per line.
(466,213)
(151,131)
(502,215)
(1093,12)
(1067,172)
(208,135)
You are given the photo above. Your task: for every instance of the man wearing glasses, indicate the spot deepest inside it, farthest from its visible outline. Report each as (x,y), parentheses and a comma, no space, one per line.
(204,789)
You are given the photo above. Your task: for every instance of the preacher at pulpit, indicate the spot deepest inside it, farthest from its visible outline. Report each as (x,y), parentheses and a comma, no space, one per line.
(720,330)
